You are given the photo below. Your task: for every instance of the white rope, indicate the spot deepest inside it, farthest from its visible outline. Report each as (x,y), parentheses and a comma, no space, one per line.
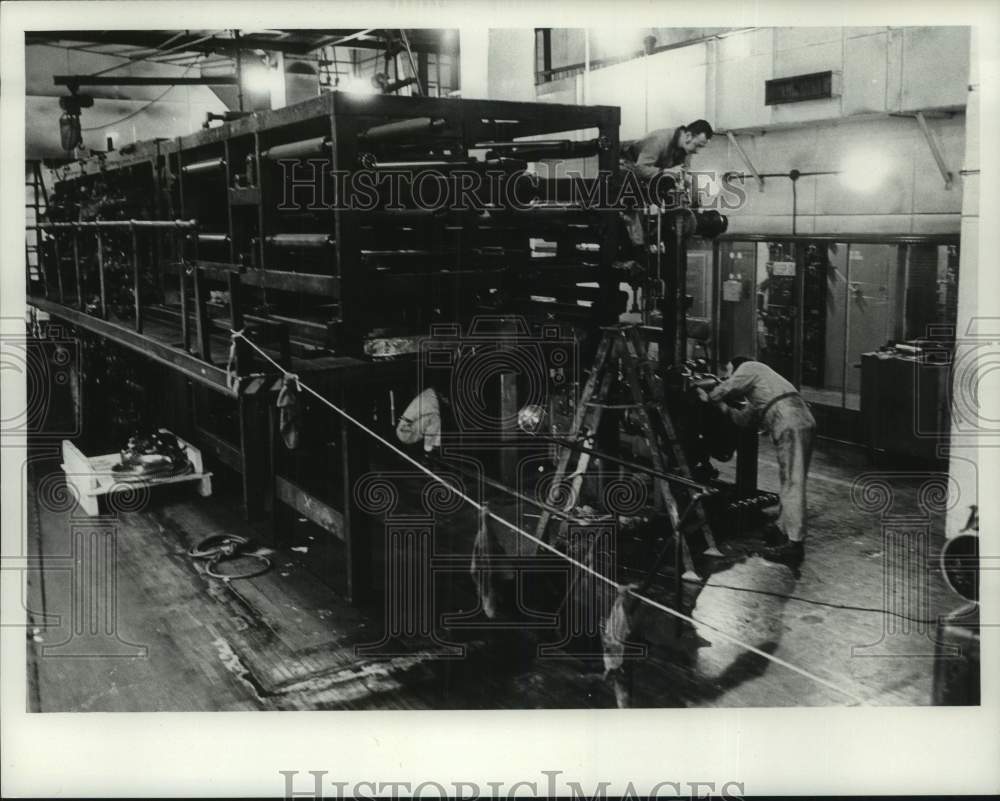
(232,379)
(552,549)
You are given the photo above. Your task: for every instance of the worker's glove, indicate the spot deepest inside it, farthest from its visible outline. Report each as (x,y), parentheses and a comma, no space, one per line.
(678,174)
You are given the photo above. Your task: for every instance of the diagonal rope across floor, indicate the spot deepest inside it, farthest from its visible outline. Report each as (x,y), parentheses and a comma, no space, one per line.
(289,375)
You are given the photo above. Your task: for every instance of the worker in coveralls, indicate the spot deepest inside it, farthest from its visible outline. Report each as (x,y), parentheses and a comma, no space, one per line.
(775,406)
(665,151)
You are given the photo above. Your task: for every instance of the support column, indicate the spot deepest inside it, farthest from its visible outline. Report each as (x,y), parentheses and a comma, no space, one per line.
(258,486)
(354,463)
(977,331)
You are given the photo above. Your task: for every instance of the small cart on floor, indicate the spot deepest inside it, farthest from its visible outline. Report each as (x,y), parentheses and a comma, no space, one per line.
(93,476)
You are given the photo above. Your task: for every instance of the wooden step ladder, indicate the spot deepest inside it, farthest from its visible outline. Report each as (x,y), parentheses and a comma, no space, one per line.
(624,345)
(35,206)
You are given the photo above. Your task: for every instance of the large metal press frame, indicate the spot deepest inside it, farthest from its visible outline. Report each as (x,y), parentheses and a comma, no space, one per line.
(310,287)
(314,287)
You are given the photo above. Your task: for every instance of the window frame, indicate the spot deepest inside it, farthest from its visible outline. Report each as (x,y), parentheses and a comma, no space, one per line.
(899,311)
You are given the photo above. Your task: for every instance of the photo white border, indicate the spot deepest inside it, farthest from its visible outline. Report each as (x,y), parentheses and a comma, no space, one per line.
(775,751)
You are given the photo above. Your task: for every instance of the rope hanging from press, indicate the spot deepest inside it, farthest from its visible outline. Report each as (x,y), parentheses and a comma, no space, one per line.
(290,411)
(485,511)
(232,379)
(615,632)
(484,550)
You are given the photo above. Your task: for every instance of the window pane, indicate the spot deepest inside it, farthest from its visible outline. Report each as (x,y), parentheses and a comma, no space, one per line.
(921,290)
(872,279)
(736,315)
(699,279)
(931,284)
(776,306)
(824,327)
(699,289)
(947,285)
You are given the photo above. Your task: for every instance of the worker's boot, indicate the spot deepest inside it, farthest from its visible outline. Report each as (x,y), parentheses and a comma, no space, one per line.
(790,553)
(773,535)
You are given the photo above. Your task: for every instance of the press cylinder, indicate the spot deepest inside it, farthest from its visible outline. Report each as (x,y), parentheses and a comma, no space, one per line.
(402,128)
(299,240)
(204,166)
(296,150)
(371,163)
(535,151)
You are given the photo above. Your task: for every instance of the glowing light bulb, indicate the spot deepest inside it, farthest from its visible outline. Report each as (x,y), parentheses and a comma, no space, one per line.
(261,79)
(357,86)
(864,170)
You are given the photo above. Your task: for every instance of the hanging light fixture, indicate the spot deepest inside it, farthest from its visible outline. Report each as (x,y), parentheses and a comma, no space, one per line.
(70,133)
(260,78)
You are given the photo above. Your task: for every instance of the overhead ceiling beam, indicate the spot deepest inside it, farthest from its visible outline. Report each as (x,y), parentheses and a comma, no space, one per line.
(293,41)
(201,44)
(422,40)
(129,80)
(339,41)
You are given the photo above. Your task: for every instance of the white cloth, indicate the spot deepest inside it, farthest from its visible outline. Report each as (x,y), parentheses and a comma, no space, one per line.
(421,420)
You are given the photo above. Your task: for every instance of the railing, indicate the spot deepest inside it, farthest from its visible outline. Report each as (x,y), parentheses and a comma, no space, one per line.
(186,266)
(185,239)
(98,226)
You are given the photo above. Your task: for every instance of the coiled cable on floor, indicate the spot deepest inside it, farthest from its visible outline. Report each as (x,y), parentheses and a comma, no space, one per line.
(220,548)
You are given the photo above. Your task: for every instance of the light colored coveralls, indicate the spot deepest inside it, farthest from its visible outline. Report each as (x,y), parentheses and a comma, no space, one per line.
(775,406)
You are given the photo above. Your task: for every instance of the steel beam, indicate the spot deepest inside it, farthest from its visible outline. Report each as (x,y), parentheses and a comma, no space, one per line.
(137,283)
(194,368)
(100,274)
(310,507)
(284,280)
(75,81)
(124,224)
(294,41)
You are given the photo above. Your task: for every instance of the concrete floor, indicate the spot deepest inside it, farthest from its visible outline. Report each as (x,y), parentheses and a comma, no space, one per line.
(121,619)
